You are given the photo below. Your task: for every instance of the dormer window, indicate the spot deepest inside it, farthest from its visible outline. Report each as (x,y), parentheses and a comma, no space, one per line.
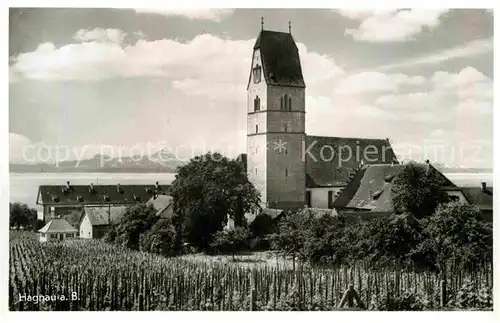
(257,71)
(256,103)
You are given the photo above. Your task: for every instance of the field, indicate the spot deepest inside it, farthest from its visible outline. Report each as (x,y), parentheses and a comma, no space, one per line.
(93,275)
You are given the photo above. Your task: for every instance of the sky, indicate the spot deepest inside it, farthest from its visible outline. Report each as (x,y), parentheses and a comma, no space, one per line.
(132,81)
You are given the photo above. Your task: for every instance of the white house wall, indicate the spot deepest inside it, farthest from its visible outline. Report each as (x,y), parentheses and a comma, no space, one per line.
(86,228)
(319,196)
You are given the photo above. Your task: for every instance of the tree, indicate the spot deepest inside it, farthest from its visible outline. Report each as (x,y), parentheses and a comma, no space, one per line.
(136,221)
(457,235)
(417,190)
(22,216)
(289,239)
(329,240)
(390,240)
(160,239)
(262,226)
(231,241)
(207,190)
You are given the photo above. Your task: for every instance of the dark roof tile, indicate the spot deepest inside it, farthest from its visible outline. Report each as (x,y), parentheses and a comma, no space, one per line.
(324,170)
(101,195)
(482,199)
(280,59)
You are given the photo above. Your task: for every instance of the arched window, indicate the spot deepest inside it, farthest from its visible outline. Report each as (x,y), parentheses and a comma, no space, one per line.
(282,106)
(290,103)
(286,172)
(256,128)
(286,102)
(256,103)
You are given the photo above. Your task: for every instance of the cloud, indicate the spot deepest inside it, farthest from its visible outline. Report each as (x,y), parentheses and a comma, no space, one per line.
(467,76)
(366,82)
(463,94)
(448,147)
(17,142)
(100,35)
(207,65)
(391,25)
(195,13)
(473,48)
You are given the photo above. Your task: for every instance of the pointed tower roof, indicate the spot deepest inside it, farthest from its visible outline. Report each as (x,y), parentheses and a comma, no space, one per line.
(280,59)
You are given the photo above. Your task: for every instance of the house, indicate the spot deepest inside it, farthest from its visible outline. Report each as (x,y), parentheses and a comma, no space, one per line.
(95,221)
(163,205)
(55,200)
(370,190)
(288,167)
(57,229)
(482,197)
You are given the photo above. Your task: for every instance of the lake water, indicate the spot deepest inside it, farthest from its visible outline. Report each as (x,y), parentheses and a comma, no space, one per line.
(24,186)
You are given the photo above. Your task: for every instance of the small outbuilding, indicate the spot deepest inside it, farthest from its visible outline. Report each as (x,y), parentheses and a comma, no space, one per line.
(95,221)
(57,229)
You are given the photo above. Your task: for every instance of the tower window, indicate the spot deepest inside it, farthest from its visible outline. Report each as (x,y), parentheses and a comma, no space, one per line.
(282,106)
(256,128)
(286,172)
(257,74)
(286,102)
(290,103)
(256,103)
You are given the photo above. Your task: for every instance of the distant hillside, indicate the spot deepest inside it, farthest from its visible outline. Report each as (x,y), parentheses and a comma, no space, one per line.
(463,170)
(160,162)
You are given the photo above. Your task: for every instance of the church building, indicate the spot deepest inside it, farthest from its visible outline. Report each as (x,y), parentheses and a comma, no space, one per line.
(290,168)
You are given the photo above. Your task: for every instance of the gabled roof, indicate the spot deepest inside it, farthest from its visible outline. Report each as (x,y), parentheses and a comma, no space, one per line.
(482,199)
(280,59)
(102,215)
(323,170)
(57,225)
(163,205)
(101,194)
(370,189)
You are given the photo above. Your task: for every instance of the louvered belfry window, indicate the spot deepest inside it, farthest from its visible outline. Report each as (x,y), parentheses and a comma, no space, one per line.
(257,71)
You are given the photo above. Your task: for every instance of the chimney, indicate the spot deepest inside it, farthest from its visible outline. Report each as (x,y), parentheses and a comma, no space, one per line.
(157,185)
(483,186)
(67,185)
(91,188)
(427,163)
(371,195)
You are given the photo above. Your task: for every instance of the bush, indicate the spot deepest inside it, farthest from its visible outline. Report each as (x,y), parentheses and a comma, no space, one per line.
(260,228)
(137,220)
(231,241)
(160,239)
(408,301)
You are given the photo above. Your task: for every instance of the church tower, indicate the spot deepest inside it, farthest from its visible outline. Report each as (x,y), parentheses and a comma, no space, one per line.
(276,122)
